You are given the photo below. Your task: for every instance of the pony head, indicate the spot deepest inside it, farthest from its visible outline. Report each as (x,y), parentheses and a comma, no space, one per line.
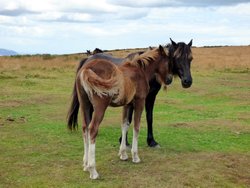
(165,66)
(181,56)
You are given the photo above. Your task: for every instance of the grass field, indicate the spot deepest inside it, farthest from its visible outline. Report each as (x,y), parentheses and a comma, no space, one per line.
(204,131)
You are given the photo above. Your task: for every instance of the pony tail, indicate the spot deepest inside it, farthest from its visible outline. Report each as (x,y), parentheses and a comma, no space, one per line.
(94,84)
(80,65)
(72,117)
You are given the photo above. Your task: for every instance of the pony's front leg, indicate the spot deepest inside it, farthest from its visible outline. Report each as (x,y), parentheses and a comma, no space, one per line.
(125,125)
(129,115)
(139,105)
(150,101)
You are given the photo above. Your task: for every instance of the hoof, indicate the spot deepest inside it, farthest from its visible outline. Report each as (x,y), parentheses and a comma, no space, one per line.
(158,146)
(85,169)
(153,144)
(93,173)
(136,160)
(94,176)
(124,157)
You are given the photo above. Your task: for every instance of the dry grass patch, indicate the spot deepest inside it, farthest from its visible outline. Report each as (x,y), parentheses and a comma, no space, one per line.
(235,57)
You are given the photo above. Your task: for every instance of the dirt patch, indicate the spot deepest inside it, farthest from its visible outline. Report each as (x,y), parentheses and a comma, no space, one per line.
(203,169)
(1,122)
(39,76)
(32,100)
(180,125)
(11,103)
(215,124)
(3,76)
(186,170)
(10,120)
(233,167)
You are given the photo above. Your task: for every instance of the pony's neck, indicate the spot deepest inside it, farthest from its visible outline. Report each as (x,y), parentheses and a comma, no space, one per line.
(150,70)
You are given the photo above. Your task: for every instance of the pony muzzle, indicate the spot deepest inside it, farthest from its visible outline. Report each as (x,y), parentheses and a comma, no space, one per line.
(186,82)
(169,79)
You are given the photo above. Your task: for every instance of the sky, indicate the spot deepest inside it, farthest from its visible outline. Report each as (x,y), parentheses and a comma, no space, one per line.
(74,26)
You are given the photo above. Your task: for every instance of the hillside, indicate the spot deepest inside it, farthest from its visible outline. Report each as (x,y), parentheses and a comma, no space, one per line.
(4,52)
(219,58)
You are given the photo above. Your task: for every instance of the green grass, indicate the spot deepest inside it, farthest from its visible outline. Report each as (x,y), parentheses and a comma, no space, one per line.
(204,133)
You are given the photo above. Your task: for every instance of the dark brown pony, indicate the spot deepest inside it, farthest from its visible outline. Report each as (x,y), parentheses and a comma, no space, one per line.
(100,83)
(88,53)
(96,51)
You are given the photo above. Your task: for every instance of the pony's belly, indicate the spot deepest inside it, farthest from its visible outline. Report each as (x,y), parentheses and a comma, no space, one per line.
(123,98)
(115,103)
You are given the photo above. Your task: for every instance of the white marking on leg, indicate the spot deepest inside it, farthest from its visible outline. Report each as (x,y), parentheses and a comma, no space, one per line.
(122,151)
(134,150)
(91,160)
(86,149)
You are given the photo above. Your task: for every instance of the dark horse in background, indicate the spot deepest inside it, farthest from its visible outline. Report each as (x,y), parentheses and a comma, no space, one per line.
(96,51)
(180,55)
(181,58)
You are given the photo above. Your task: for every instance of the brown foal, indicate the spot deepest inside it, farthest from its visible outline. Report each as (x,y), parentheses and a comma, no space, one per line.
(100,83)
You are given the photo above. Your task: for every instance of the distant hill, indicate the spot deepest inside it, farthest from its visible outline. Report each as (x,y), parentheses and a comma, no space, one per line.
(4,52)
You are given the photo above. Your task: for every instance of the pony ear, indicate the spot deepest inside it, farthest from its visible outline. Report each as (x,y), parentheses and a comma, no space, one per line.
(173,42)
(162,50)
(88,52)
(190,43)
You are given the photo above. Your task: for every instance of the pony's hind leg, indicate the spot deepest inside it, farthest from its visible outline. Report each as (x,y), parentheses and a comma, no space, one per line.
(99,110)
(86,148)
(125,125)
(88,111)
(91,160)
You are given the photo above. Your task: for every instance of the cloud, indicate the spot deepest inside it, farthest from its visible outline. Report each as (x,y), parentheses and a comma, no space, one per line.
(240,9)
(66,17)
(175,3)
(16,12)
(53,26)
(74,11)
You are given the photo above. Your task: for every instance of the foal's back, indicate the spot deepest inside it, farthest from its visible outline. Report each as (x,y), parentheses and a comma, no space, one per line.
(103,68)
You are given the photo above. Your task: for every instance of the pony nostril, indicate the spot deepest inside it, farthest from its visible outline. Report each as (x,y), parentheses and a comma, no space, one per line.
(169,80)
(187,82)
